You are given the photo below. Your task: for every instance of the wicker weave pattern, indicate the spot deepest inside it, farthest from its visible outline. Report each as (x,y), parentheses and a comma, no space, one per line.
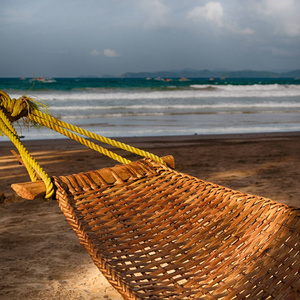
(156,233)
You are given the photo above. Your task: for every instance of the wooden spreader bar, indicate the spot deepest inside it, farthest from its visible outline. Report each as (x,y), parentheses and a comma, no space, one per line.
(37,189)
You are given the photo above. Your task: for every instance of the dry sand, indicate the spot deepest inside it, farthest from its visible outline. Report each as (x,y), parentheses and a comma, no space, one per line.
(41,257)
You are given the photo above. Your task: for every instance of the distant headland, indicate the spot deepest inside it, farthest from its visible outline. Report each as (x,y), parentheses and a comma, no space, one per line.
(191,73)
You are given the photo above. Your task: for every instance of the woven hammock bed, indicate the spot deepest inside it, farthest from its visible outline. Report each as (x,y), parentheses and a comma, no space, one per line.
(156,233)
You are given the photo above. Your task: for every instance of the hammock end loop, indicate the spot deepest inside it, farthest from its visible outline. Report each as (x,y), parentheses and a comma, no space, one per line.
(35,113)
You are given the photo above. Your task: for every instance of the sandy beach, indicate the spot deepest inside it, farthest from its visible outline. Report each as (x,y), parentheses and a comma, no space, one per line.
(41,257)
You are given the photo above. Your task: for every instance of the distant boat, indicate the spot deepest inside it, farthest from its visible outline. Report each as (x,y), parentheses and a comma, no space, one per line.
(45,80)
(184,79)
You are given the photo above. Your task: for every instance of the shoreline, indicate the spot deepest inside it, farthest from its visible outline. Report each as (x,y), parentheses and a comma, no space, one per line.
(182,138)
(41,257)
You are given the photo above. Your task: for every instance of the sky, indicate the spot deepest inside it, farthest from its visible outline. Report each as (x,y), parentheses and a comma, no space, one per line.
(70,38)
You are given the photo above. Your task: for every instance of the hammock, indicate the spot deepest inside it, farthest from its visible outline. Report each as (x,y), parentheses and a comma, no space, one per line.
(156,233)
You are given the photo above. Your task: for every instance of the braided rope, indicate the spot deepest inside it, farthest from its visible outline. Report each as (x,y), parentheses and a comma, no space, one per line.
(7,126)
(79,139)
(29,161)
(95,136)
(10,131)
(14,109)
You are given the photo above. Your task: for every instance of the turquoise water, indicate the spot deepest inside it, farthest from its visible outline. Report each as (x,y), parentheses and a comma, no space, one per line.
(141,107)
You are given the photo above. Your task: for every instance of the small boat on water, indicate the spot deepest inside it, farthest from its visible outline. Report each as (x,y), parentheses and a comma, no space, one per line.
(46,79)
(183,79)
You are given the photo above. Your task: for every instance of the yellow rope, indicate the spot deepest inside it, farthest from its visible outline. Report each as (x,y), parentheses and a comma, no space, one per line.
(29,161)
(12,110)
(80,139)
(94,136)
(9,130)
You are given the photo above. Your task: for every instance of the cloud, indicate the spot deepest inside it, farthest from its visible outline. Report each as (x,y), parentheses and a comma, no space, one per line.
(234,28)
(282,15)
(110,53)
(105,52)
(212,11)
(157,14)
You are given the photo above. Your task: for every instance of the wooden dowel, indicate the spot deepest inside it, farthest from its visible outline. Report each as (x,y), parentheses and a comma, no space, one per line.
(21,162)
(18,157)
(30,190)
(37,189)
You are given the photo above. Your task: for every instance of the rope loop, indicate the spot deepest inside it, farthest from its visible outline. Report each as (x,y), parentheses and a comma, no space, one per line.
(15,109)
(31,165)
(36,113)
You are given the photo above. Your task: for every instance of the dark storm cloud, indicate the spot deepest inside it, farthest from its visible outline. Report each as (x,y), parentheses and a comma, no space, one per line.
(71,38)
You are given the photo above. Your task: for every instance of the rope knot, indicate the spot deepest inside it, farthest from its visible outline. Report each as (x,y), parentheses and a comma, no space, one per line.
(16,109)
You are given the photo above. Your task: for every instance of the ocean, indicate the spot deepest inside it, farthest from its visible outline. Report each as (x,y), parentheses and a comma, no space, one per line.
(123,107)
